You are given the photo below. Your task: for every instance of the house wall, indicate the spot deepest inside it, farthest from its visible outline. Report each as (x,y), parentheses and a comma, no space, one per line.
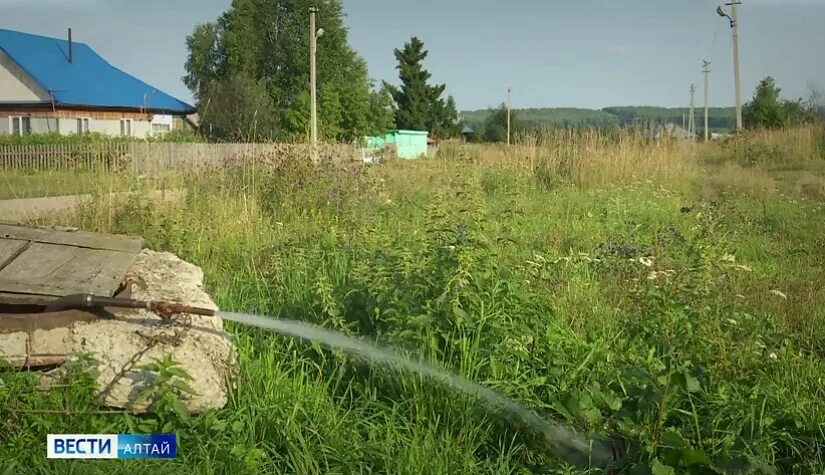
(16,84)
(140,128)
(179,123)
(65,121)
(43,125)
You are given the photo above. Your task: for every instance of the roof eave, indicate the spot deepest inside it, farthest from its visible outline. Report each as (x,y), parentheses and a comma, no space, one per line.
(145,110)
(92,107)
(13,104)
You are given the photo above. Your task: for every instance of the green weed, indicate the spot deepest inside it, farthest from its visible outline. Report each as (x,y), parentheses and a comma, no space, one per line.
(607,302)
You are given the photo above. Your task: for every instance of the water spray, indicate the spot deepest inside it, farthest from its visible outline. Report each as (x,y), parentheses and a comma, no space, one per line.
(564,442)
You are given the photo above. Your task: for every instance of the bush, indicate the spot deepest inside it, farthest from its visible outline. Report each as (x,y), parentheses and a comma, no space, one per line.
(94,138)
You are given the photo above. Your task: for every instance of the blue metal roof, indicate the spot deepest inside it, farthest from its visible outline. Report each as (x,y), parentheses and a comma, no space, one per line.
(88,80)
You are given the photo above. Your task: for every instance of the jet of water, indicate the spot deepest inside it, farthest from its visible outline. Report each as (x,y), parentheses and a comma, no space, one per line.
(562,441)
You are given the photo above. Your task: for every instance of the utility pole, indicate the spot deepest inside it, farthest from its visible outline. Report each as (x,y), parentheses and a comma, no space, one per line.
(735,21)
(692,117)
(509,98)
(313,43)
(706,72)
(734,24)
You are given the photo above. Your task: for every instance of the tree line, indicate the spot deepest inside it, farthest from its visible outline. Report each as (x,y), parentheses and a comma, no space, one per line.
(606,117)
(491,125)
(766,109)
(249,73)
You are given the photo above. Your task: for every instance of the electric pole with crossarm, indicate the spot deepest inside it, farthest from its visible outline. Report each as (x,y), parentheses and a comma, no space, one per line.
(734,24)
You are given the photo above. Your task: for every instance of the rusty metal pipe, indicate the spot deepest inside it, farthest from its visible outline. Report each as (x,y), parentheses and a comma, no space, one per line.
(90,301)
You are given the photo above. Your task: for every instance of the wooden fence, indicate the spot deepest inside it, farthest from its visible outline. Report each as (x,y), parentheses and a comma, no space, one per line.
(155,157)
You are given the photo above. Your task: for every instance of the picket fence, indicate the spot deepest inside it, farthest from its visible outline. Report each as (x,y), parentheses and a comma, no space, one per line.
(156,157)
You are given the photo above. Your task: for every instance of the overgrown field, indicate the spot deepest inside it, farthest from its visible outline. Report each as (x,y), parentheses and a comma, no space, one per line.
(667,292)
(39,184)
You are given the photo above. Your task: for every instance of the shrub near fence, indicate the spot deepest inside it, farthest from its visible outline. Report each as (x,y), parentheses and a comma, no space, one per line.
(155,157)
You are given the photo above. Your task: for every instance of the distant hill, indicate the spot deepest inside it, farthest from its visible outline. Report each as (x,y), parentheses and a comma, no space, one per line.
(719,118)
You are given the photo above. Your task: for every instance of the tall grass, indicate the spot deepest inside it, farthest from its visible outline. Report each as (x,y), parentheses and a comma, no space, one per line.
(39,184)
(581,274)
(587,158)
(794,147)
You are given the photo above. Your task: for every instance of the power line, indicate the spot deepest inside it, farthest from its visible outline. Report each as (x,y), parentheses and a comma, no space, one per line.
(713,42)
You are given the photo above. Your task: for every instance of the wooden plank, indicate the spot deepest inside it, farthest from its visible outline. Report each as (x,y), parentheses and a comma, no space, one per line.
(48,269)
(74,238)
(9,248)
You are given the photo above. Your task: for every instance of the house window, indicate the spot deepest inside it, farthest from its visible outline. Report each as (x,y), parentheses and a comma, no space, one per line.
(21,125)
(126,127)
(83,125)
(160,129)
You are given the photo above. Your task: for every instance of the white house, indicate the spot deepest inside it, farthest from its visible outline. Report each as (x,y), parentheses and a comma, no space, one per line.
(56,85)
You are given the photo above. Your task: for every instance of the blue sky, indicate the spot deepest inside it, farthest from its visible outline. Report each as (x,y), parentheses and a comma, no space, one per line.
(572,53)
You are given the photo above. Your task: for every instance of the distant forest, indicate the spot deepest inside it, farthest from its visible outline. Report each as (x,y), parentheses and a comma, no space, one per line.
(719,118)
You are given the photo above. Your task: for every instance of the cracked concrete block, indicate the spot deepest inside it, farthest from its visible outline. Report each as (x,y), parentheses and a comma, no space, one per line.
(13,348)
(131,340)
(48,347)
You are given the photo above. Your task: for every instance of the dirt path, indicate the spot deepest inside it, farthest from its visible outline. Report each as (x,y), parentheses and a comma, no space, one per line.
(27,209)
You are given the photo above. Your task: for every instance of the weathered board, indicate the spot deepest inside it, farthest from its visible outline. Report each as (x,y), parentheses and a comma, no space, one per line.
(10,249)
(71,238)
(39,264)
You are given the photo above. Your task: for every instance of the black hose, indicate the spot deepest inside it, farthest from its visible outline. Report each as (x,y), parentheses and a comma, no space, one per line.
(72,302)
(90,301)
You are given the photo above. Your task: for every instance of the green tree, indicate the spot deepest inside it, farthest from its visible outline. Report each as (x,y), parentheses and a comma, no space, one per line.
(495,126)
(238,108)
(268,41)
(381,110)
(204,63)
(419,104)
(354,105)
(296,119)
(767,108)
(444,120)
(330,115)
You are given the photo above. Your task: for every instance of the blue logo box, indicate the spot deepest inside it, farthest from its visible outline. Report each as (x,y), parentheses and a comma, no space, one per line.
(152,446)
(110,446)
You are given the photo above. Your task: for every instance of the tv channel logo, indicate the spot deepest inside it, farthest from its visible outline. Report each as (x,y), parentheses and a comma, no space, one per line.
(111,446)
